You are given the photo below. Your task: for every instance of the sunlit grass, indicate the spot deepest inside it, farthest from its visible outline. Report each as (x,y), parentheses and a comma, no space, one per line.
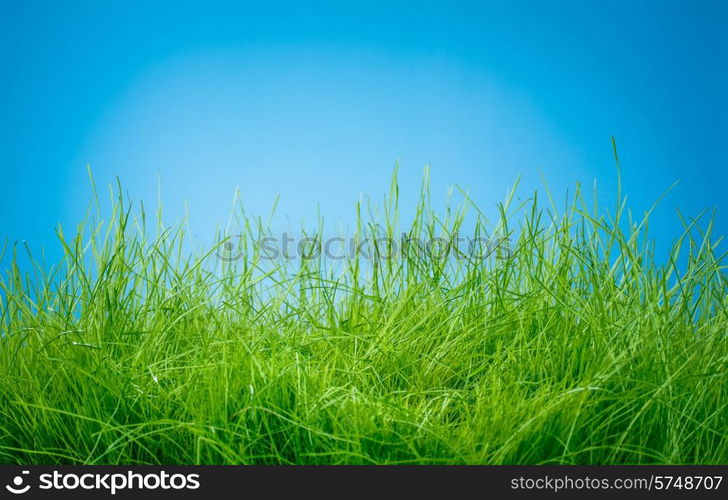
(577,345)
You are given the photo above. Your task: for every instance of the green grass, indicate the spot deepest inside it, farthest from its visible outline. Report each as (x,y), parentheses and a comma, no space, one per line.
(576,346)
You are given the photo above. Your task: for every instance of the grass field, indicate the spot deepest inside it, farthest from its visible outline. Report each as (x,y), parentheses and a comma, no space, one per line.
(575,344)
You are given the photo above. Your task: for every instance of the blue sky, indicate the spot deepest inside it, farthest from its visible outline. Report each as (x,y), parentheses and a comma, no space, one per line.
(316,101)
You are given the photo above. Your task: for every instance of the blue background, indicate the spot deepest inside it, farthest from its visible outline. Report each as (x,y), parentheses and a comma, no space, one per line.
(316,101)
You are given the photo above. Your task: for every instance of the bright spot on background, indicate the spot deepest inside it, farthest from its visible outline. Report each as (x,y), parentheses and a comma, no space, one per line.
(319,128)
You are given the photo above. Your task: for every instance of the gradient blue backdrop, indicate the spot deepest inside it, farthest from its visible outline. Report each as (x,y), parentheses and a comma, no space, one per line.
(316,101)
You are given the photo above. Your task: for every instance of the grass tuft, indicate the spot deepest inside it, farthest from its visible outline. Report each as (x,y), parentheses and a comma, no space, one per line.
(571,345)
